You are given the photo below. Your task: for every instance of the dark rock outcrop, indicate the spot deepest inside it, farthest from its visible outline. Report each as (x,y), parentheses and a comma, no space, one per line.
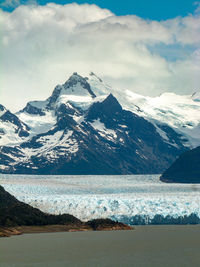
(186,169)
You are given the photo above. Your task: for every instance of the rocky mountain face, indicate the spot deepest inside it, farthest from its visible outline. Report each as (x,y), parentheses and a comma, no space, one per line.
(82,128)
(186,169)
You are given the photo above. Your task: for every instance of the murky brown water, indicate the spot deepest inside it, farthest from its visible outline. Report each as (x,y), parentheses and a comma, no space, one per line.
(148,246)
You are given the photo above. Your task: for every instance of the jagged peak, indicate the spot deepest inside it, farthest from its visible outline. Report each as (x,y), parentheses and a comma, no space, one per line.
(71,81)
(112,103)
(76,89)
(108,107)
(76,84)
(75,77)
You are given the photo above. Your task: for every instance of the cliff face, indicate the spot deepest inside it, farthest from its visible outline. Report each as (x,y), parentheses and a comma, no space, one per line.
(186,169)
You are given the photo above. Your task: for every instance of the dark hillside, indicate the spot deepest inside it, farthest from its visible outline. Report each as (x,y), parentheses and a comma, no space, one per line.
(186,169)
(15,213)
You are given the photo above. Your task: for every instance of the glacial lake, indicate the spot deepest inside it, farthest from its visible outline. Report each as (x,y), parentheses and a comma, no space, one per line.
(118,197)
(145,246)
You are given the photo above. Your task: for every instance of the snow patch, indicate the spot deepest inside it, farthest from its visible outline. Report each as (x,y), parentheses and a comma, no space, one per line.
(38,124)
(9,134)
(39,104)
(103,131)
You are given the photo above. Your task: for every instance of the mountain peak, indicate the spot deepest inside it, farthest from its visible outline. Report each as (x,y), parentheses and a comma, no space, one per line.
(111,103)
(74,89)
(76,84)
(109,107)
(75,77)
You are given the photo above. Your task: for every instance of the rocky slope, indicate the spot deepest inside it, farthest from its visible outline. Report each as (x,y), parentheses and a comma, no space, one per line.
(14,213)
(82,128)
(186,169)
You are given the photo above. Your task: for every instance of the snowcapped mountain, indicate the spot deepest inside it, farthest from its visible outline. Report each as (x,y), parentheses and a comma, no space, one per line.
(180,112)
(75,96)
(83,129)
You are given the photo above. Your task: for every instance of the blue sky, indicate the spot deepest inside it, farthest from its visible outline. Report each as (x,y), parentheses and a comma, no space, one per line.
(151,9)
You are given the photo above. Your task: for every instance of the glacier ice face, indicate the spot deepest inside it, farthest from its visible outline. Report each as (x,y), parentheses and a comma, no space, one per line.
(116,197)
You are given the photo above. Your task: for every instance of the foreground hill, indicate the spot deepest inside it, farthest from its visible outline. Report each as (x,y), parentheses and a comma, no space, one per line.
(186,169)
(14,213)
(83,129)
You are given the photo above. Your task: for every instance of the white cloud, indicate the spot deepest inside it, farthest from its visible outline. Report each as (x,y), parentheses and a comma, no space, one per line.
(43,45)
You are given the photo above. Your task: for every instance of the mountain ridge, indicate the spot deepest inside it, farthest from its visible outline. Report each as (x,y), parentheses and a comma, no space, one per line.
(82,128)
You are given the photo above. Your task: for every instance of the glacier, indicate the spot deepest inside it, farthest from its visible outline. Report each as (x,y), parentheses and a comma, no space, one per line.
(121,198)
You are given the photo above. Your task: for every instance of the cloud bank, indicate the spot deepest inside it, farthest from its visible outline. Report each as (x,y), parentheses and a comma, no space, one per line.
(42,45)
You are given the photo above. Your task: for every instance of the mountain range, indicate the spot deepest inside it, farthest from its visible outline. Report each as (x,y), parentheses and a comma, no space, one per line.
(87,127)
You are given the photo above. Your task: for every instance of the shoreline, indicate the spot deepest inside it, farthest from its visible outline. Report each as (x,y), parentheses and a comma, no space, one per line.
(20,230)
(23,230)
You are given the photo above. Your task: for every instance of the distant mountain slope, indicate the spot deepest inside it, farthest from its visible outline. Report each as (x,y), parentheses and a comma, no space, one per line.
(186,169)
(82,128)
(180,112)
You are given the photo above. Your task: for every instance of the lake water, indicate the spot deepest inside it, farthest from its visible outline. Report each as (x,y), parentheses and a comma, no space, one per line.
(118,197)
(152,246)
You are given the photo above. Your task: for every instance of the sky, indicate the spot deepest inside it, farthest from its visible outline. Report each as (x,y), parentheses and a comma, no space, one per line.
(147,46)
(148,9)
